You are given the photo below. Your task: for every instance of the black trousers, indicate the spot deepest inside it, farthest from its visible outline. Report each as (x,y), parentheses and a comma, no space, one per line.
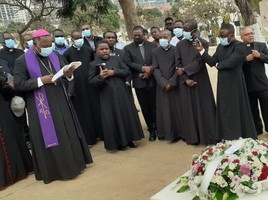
(262,98)
(147,100)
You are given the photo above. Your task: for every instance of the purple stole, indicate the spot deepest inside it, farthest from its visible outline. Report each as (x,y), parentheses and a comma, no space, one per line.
(41,102)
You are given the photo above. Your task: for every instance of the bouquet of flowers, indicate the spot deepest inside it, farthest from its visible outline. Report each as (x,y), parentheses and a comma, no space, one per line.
(227,172)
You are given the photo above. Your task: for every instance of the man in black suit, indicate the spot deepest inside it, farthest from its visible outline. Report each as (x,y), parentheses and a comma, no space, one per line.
(256,79)
(138,57)
(90,39)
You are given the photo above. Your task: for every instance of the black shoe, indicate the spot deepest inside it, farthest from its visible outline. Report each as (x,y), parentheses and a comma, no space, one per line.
(122,148)
(152,137)
(132,145)
(161,138)
(175,140)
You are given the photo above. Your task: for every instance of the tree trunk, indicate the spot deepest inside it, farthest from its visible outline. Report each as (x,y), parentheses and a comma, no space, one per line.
(129,12)
(246,11)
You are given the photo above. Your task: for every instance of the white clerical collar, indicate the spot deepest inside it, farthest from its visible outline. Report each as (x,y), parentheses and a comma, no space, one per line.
(77,48)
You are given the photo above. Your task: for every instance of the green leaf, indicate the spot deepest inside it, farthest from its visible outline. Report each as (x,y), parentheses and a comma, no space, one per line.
(232,196)
(196,198)
(219,195)
(183,188)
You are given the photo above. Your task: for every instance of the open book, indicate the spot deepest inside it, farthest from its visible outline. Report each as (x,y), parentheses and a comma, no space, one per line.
(59,74)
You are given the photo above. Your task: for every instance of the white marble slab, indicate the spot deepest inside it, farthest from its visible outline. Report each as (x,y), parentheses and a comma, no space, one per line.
(170,193)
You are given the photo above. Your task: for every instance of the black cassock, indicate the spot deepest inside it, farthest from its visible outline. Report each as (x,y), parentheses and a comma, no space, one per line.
(86,98)
(168,110)
(15,159)
(120,119)
(233,114)
(197,102)
(70,157)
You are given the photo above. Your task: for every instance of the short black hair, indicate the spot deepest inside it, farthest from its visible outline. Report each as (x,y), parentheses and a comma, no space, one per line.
(154,27)
(169,18)
(101,42)
(138,28)
(229,27)
(75,31)
(58,29)
(193,23)
(178,20)
(145,31)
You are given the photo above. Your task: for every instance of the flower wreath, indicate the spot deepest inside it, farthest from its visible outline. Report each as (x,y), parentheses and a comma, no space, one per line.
(229,170)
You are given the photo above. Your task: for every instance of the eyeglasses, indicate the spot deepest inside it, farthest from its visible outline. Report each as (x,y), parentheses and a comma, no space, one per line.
(85,29)
(58,36)
(248,34)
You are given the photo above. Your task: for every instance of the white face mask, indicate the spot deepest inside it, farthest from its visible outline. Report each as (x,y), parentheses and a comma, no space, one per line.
(79,42)
(45,52)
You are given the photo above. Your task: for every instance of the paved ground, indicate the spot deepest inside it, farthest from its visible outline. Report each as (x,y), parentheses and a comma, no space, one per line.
(135,174)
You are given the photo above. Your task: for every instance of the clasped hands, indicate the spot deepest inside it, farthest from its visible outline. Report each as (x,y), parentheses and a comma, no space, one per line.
(148,70)
(254,54)
(105,73)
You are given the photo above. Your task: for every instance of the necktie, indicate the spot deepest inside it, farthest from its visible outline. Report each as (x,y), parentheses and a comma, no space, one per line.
(141,47)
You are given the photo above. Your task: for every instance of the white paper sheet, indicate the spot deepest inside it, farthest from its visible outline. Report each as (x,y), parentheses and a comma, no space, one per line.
(59,74)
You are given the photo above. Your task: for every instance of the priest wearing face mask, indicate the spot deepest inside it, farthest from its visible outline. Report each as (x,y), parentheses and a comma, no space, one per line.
(178,32)
(197,100)
(233,114)
(9,52)
(59,148)
(168,113)
(84,96)
(138,57)
(60,45)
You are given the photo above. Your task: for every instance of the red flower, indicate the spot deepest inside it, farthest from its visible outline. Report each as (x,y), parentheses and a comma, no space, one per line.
(265,145)
(264,169)
(255,153)
(264,173)
(263,176)
(225,160)
(200,169)
(236,161)
(204,157)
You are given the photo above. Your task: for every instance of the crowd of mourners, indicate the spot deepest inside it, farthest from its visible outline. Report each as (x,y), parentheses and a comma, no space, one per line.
(47,125)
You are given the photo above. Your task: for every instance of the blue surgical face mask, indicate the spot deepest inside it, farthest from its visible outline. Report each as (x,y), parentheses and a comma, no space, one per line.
(86,33)
(45,52)
(79,42)
(224,41)
(187,35)
(10,43)
(30,43)
(53,46)
(59,40)
(178,32)
(163,43)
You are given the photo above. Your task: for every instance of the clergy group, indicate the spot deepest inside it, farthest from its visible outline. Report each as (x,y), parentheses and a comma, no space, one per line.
(59,119)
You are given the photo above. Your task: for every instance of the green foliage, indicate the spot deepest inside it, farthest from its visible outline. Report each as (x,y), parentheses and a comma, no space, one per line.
(70,6)
(104,20)
(183,188)
(13,27)
(149,17)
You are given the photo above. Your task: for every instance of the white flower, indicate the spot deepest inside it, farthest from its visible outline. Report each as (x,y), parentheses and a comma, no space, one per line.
(230,174)
(232,166)
(264,159)
(245,178)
